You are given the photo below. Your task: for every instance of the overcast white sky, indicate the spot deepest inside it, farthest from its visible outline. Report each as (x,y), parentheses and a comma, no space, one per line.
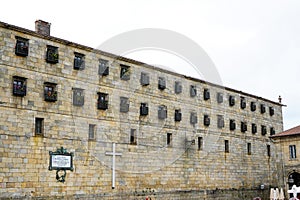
(255,44)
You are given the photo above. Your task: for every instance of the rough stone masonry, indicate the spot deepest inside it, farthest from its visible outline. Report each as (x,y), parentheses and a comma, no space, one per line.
(178,137)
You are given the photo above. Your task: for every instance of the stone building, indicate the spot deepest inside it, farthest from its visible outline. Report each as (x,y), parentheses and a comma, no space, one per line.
(287,142)
(174,137)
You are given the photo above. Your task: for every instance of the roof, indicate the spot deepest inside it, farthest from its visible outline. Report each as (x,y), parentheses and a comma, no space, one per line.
(290,132)
(76,45)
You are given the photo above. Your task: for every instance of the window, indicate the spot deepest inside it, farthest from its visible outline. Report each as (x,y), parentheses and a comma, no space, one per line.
(272,131)
(145,79)
(253,106)
(178,115)
(39,126)
(193,118)
(124,104)
(144,109)
(22,46)
(220,121)
(232,124)
(169,139)
(262,108)
(178,87)
(125,72)
(19,86)
(231,100)
(161,83)
(78,97)
(162,112)
(249,148)
(269,150)
(79,62)
(254,128)
(271,111)
(133,137)
(52,54)
(92,130)
(219,97)
(206,120)
(243,127)
(243,102)
(206,94)
(292,149)
(102,101)
(193,91)
(50,93)
(263,130)
(226,142)
(103,67)
(200,143)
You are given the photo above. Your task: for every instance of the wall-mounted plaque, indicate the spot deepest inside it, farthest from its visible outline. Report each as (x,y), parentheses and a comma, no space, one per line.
(61,160)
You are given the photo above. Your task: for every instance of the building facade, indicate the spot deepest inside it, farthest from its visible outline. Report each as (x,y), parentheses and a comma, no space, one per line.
(134,130)
(288,143)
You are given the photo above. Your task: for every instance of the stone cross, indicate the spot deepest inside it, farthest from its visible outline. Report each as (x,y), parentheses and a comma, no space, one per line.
(294,190)
(113,154)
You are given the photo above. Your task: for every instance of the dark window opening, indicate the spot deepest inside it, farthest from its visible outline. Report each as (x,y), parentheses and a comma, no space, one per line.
(253,106)
(125,72)
(269,150)
(243,127)
(178,87)
(206,120)
(145,79)
(292,149)
(249,148)
(226,146)
(133,137)
(232,125)
(162,112)
(206,94)
(102,101)
(220,121)
(78,97)
(50,93)
(178,115)
(52,54)
(79,63)
(169,139)
(22,47)
(92,129)
(19,86)
(161,83)
(263,130)
(103,67)
(193,91)
(271,111)
(262,108)
(254,128)
(219,97)
(39,126)
(144,109)
(243,103)
(200,143)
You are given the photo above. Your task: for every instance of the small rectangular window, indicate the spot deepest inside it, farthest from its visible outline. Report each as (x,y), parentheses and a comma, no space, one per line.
(22,47)
(133,137)
(92,130)
(232,125)
(193,118)
(39,126)
(249,148)
(226,142)
(262,108)
(79,62)
(271,111)
(243,103)
(193,91)
(50,93)
(145,79)
(292,149)
(125,72)
(219,97)
(178,87)
(231,100)
(272,131)
(253,106)
(200,143)
(268,150)
(169,139)
(52,54)
(206,120)
(254,128)
(19,86)
(124,104)
(162,112)
(178,115)
(263,130)
(78,97)
(144,109)
(103,67)
(243,127)
(102,103)
(206,94)
(161,83)
(220,121)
